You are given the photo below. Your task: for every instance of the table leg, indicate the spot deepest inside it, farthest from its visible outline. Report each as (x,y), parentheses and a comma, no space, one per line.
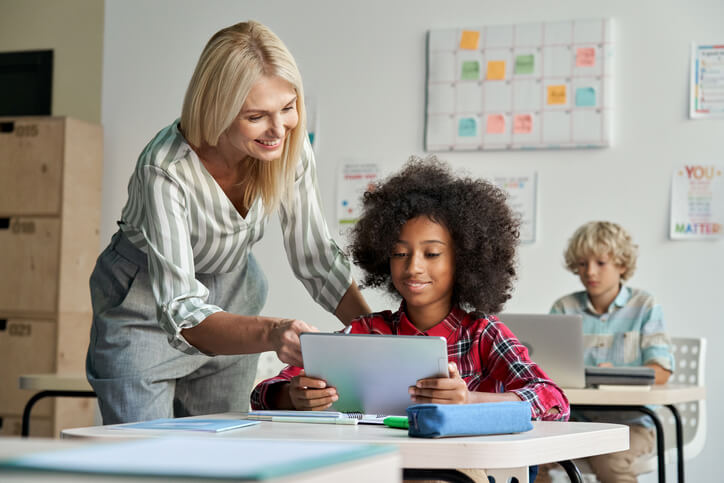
(25,431)
(660,447)
(679,442)
(572,471)
(452,476)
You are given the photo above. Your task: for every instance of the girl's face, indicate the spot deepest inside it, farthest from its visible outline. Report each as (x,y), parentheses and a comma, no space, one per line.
(422,268)
(266,118)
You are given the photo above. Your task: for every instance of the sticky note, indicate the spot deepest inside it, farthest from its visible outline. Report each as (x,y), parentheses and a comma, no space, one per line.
(524,64)
(469,39)
(585,57)
(585,97)
(467,127)
(522,124)
(495,124)
(496,70)
(556,95)
(470,70)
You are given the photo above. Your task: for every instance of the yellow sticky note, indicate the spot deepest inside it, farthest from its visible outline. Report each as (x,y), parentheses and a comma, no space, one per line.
(469,40)
(556,95)
(496,70)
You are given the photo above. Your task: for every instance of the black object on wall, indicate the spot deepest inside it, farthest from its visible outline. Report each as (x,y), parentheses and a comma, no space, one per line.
(26,83)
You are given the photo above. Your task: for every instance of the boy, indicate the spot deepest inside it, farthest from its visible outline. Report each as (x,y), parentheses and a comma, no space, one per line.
(622,326)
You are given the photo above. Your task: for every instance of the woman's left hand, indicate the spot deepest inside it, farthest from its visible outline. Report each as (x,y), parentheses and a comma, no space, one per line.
(441,390)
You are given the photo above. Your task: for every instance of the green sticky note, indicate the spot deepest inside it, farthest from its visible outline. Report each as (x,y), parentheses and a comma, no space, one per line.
(585,97)
(470,70)
(524,64)
(467,127)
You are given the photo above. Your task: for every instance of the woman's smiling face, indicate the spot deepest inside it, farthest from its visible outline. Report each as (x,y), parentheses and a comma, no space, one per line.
(268,115)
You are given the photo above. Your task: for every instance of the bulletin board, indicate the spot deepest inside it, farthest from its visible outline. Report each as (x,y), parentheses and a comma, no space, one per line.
(522,86)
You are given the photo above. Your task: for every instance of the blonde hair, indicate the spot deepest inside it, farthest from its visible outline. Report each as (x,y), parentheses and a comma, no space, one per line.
(598,238)
(234,59)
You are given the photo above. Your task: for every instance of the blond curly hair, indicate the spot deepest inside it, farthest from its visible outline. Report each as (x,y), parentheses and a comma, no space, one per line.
(598,238)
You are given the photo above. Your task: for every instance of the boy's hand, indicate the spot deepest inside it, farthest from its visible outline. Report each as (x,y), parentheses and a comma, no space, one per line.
(310,394)
(441,390)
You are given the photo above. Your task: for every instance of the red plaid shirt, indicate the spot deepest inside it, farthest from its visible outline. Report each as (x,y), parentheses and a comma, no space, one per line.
(488,355)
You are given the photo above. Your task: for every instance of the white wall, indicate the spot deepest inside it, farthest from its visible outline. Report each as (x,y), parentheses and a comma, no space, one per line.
(364,61)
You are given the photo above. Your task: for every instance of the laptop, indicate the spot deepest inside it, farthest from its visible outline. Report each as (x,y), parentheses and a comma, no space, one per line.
(372,372)
(555,343)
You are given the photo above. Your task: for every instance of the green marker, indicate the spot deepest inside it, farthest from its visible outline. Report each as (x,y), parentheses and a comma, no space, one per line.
(396,422)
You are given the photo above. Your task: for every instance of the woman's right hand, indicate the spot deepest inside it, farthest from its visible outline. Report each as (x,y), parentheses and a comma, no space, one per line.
(310,394)
(285,340)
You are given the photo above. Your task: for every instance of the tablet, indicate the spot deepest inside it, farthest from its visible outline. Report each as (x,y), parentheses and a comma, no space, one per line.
(372,372)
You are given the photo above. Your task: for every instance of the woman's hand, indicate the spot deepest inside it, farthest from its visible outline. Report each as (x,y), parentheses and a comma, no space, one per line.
(310,394)
(440,390)
(285,340)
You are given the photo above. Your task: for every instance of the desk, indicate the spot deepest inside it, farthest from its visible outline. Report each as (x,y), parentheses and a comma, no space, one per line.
(502,456)
(663,395)
(52,385)
(381,468)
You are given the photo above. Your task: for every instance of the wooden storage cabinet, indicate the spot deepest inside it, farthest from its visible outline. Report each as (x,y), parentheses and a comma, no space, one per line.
(50,200)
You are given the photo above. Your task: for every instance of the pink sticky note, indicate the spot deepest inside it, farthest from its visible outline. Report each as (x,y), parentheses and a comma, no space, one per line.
(585,57)
(522,124)
(495,124)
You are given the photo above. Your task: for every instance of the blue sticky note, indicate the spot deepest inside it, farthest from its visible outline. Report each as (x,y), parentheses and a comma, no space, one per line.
(467,127)
(585,97)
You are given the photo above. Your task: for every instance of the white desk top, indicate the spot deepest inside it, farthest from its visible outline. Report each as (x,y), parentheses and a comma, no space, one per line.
(383,468)
(657,394)
(547,442)
(54,382)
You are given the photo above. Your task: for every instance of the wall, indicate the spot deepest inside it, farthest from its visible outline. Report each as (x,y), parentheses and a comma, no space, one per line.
(74,30)
(365,63)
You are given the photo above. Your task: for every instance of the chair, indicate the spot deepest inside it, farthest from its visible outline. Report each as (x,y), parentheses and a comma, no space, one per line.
(690,356)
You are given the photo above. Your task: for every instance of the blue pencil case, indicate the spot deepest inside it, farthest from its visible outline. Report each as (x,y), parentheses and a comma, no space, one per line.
(440,420)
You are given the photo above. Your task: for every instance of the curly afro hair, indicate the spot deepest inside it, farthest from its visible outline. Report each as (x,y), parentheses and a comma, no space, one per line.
(483,228)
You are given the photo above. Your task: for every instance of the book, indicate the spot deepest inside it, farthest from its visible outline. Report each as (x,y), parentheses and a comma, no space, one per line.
(219,458)
(624,387)
(187,424)
(315,416)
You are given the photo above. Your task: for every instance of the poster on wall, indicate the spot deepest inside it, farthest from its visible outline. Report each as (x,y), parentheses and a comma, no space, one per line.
(521,86)
(522,192)
(706,99)
(352,181)
(697,202)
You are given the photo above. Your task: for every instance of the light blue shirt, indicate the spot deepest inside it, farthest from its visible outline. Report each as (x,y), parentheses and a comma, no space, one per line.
(630,333)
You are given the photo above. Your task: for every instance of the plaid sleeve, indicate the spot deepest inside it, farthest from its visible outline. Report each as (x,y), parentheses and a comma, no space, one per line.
(259,396)
(508,362)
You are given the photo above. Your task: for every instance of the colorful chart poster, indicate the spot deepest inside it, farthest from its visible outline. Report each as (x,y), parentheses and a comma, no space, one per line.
(353,180)
(697,202)
(707,81)
(521,189)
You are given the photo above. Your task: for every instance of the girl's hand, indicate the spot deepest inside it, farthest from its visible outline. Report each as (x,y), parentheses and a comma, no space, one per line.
(440,390)
(310,394)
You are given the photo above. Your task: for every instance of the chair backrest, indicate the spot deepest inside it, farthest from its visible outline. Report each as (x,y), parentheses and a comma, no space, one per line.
(689,355)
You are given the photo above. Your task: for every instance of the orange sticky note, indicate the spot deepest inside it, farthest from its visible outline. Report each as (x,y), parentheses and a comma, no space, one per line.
(496,70)
(522,124)
(556,95)
(469,39)
(585,57)
(495,124)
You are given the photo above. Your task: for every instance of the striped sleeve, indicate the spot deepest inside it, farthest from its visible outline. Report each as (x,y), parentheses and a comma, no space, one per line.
(655,345)
(314,256)
(180,298)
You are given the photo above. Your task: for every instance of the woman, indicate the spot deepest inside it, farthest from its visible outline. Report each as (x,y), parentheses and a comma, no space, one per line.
(177,293)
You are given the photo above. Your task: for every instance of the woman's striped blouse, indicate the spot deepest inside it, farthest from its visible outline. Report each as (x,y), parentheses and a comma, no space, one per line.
(179,216)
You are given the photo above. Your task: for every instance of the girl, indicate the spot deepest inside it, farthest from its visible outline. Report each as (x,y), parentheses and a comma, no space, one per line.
(446,246)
